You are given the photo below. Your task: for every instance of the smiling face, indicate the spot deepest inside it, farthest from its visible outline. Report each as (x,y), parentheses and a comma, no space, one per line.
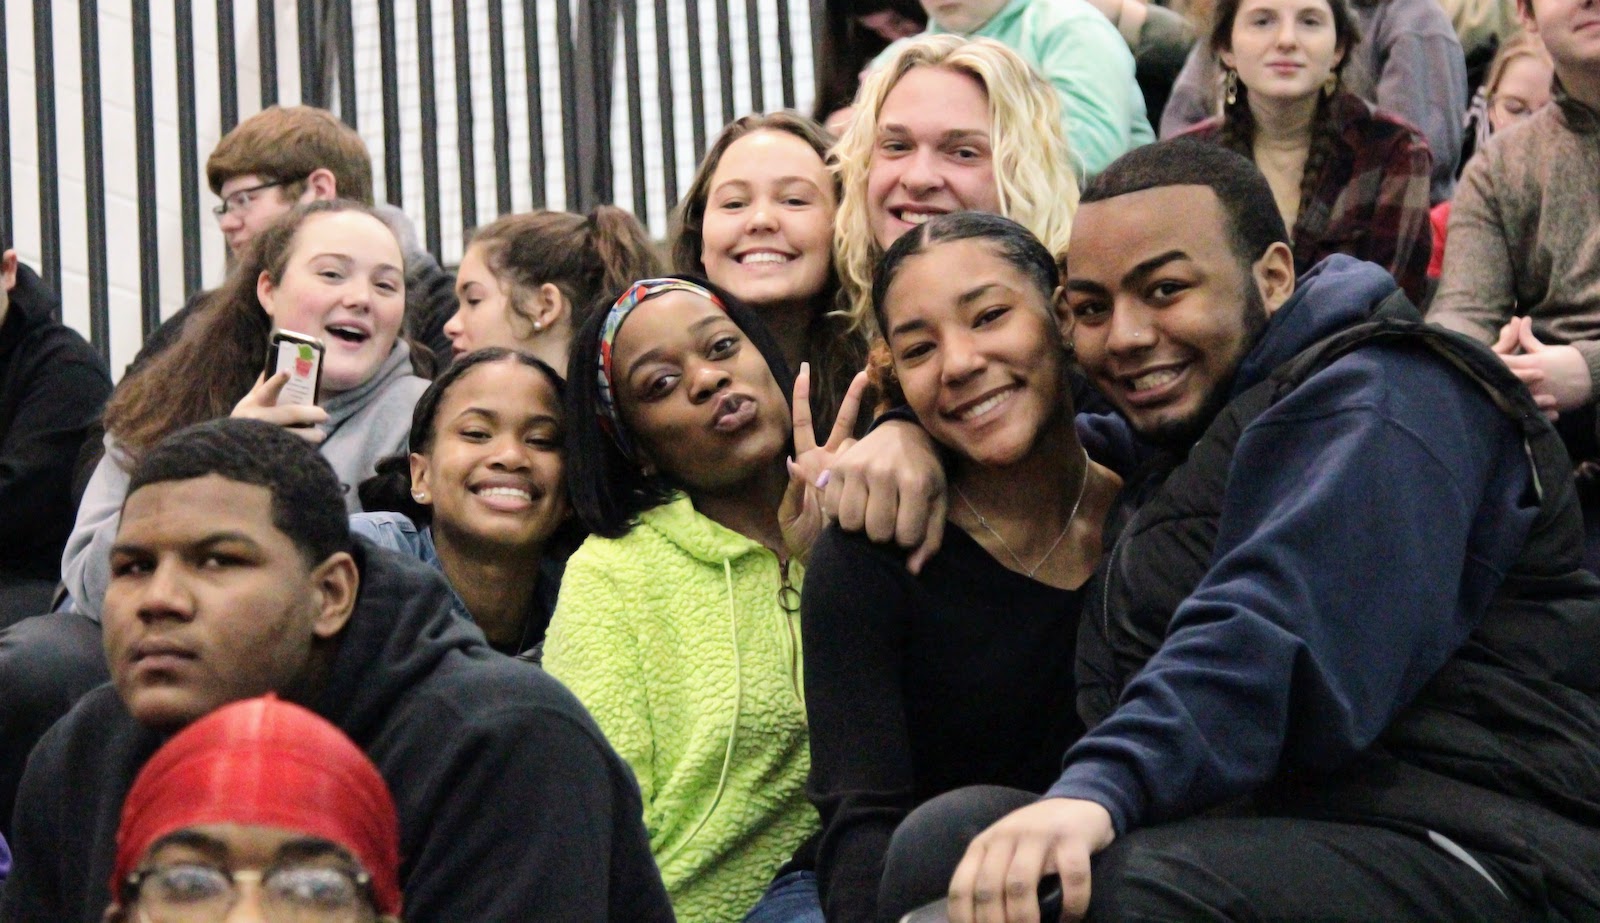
(1570,30)
(978,352)
(210,602)
(932,153)
(483,315)
(495,474)
(1164,310)
(344,283)
(767,234)
(1283,49)
(696,394)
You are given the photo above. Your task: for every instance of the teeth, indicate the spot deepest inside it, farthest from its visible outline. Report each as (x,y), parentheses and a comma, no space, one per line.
(750,258)
(506,492)
(915,217)
(978,410)
(1154,380)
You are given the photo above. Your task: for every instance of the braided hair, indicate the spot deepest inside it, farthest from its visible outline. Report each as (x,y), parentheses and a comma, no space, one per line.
(1238,131)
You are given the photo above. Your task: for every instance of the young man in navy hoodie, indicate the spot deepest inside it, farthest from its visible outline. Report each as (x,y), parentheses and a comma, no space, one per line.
(234,574)
(1341,661)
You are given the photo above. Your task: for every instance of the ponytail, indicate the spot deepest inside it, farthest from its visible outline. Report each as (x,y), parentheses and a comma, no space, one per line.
(618,250)
(589,259)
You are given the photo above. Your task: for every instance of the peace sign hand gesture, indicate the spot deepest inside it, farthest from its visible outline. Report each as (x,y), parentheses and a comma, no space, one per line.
(800,514)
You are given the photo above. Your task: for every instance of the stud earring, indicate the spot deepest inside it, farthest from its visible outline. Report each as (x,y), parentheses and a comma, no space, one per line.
(537,326)
(421,496)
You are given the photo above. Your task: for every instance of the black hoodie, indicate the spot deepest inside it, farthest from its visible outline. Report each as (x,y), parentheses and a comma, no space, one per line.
(512,805)
(53,386)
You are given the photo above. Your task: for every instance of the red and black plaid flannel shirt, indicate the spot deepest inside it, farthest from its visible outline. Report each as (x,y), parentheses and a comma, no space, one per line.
(1372,199)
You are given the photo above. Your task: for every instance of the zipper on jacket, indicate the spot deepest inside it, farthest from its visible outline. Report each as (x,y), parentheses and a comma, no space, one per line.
(789,603)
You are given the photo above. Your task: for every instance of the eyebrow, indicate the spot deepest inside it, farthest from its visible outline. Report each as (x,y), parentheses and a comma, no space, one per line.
(910,326)
(954,134)
(973,294)
(1133,276)
(205,541)
(299,849)
(347,258)
(488,414)
(962,300)
(651,355)
(191,839)
(780,181)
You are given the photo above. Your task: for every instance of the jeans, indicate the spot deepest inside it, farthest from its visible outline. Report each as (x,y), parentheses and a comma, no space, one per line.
(790,899)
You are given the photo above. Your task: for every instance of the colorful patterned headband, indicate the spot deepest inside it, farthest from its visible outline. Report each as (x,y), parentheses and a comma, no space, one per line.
(637,294)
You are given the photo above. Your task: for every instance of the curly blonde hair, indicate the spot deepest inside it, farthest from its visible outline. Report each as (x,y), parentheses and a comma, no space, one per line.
(1034,179)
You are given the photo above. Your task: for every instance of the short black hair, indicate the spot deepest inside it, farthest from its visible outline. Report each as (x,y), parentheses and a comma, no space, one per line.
(307,501)
(1015,244)
(608,489)
(389,490)
(1254,223)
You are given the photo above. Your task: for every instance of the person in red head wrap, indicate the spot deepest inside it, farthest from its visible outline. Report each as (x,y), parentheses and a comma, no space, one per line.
(264,801)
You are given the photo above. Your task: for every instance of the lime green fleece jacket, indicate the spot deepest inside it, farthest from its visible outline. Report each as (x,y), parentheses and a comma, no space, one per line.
(674,638)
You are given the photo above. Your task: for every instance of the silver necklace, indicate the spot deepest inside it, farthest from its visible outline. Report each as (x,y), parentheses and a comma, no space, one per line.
(1083,484)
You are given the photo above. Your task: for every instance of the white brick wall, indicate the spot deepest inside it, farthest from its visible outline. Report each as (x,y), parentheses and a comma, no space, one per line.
(119,164)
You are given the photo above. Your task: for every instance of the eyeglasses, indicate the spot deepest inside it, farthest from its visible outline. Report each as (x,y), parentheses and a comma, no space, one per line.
(240,200)
(195,893)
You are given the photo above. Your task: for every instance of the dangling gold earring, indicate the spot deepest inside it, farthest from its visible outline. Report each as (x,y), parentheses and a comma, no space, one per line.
(1330,86)
(1230,86)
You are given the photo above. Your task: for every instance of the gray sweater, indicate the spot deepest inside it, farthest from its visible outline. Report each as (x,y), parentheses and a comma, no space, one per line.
(1525,238)
(365,424)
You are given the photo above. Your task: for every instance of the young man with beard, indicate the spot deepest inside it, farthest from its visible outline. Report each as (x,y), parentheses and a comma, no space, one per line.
(234,574)
(1346,661)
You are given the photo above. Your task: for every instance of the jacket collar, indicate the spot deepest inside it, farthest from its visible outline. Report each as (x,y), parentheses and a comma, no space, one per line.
(701,537)
(1334,294)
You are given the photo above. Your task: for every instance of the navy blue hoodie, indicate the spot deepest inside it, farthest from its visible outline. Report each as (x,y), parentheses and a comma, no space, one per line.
(1369,517)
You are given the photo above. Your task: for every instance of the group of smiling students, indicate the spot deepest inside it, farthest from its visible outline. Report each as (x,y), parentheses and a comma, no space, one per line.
(785,690)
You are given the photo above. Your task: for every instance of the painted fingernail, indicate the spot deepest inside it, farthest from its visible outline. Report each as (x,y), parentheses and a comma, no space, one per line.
(824,478)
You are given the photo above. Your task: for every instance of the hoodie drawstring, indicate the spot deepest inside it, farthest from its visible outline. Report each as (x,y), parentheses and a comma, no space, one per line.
(733,726)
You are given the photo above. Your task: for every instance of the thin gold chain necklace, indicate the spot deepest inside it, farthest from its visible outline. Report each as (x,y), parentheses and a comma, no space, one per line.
(1083,484)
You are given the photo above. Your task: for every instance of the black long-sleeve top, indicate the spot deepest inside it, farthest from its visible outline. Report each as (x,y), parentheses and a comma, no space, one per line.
(917,685)
(53,386)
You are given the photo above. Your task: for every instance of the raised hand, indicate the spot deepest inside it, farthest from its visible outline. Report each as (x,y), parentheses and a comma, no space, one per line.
(800,515)
(262,404)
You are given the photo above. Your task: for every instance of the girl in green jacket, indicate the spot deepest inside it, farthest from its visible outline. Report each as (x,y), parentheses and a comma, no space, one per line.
(678,620)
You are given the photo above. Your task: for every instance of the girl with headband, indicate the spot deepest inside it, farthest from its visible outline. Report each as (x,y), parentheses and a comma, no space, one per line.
(265,792)
(678,620)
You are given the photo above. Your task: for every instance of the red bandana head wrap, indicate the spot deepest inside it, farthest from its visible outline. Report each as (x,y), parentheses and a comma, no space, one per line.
(265,762)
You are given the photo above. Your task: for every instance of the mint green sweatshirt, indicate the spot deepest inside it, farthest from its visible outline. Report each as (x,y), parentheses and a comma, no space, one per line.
(674,639)
(1083,56)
